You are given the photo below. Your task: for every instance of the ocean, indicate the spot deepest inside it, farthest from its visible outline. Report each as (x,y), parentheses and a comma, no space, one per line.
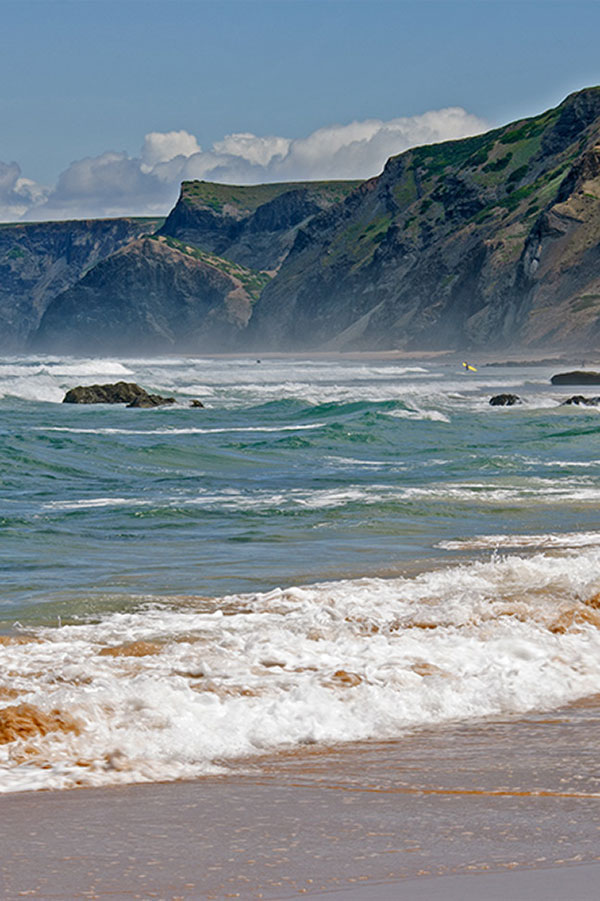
(332,550)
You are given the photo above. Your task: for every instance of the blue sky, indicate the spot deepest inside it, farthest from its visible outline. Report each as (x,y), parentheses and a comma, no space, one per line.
(83,78)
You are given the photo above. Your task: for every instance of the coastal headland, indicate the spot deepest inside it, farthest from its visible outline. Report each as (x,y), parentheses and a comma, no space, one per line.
(479,244)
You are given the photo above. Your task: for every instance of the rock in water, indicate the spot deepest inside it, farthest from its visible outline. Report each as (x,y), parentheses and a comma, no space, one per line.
(577,377)
(505,400)
(118,393)
(151,400)
(580,400)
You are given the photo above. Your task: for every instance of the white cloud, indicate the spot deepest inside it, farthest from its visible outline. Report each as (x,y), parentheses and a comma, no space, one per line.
(259,151)
(18,194)
(360,150)
(115,184)
(159,147)
(112,184)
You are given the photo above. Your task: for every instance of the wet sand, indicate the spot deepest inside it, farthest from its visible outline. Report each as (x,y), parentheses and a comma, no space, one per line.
(495,810)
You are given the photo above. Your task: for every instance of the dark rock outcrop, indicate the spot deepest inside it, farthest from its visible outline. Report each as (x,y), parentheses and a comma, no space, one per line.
(151,400)
(579,400)
(118,393)
(505,400)
(576,377)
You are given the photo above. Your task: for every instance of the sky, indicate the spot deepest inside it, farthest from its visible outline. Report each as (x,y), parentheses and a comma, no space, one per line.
(105,106)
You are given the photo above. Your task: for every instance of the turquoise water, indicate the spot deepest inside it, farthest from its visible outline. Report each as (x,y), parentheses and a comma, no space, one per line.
(296,471)
(330,550)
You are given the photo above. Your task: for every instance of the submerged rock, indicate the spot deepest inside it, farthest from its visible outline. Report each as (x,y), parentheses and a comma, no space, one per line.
(197,403)
(577,377)
(580,400)
(505,400)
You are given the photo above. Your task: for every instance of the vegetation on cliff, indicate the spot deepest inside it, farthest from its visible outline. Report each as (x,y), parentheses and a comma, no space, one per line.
(485,241)
(480,243)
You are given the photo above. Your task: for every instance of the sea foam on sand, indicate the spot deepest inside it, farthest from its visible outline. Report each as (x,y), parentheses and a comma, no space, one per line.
(177,688)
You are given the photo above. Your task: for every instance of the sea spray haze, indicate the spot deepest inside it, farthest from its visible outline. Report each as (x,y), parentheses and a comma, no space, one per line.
(330,550)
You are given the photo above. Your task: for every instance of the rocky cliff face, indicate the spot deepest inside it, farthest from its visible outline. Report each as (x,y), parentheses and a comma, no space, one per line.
(484,242)
(481,243)
(40,260)
(149,297)
(254,226)
(193,286)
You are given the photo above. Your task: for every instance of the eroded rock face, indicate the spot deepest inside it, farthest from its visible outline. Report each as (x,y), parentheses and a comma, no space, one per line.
(118,393)
(487,242)
(147,298)
(40,260)
(493,241)
(576,377)
(505,400)
(253,226)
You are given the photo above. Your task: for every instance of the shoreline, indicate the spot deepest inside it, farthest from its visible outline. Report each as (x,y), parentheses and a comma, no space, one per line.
(505,801)
(500,358)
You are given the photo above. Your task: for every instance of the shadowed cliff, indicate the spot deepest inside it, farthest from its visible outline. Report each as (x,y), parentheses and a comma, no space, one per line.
(40,260)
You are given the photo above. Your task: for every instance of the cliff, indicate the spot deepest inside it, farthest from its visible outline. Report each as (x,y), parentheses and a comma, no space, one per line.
(213,256)
(253,225)
(152,296)
(479,243)
(38,261)
(487,242)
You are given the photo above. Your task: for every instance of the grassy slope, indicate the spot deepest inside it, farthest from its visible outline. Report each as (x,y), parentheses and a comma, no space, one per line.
(509,189)
(245,199)
(252,281)
(404,236)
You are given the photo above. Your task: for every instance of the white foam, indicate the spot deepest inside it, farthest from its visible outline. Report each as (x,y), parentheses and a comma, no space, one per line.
(425,393)
(337,661)
(433,415)
(537,492)
(182,431)
(92,502)
(355,463)
(35,379)
(32,388)
(87,367)
(568,464)
(543,540)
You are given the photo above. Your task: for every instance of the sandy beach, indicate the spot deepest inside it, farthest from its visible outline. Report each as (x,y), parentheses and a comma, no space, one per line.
(498,809)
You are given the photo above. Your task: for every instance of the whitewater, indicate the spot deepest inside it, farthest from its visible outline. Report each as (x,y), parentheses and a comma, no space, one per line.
(332,550)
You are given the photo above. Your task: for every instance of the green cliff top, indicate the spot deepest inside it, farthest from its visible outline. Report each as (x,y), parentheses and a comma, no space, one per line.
(245,199)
